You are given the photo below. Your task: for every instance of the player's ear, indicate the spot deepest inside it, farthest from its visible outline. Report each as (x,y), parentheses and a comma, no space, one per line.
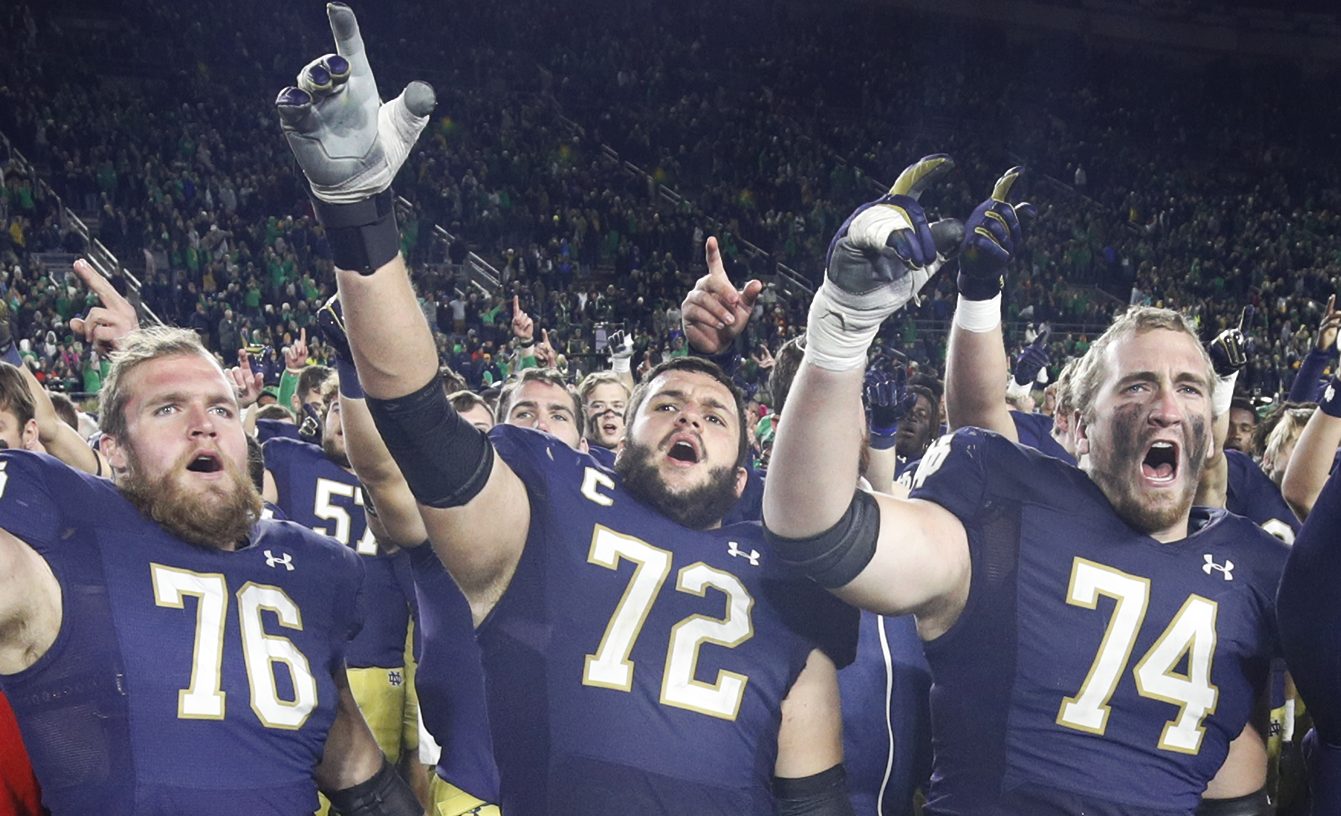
(30,435)
(742,476)
(113,452)
(1082,434)
(582,446)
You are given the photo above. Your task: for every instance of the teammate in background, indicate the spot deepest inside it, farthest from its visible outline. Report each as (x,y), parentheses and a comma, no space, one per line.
(473,409)
(542,399)
(315,487)
(716,693)
(604,397)
(1242,423)
(1057,605)
(183,625)
(449,679)
(1310,621)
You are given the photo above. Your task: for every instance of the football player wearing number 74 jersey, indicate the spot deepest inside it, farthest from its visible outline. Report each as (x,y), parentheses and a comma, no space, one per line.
(1096,644)
(166,652)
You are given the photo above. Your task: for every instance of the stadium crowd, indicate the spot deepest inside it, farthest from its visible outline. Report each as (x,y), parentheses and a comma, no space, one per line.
(618,184)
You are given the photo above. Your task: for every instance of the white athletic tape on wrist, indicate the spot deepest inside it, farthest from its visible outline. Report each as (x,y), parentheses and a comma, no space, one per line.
(1223,394)
(1016,391)
(837,334)
(620,363)
(978,316)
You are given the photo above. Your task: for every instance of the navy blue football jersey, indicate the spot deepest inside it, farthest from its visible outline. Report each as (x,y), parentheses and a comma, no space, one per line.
(183,679)
(1035,431)
(1093,668)
(1310,621)
(634,665)
(1253,495)
(322,496)
(450,680)
(604,456)
(267,429)
(750,506)
(886,717)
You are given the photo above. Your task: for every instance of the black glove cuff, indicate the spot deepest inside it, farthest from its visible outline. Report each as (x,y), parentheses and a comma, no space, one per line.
(384,794)
(973,287)
(1330,401)
(364,236)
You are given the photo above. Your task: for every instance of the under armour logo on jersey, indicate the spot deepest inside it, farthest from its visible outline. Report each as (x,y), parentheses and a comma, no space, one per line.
(733,549)
(285,560)
(394,677)
(1227,568)
(1329,394)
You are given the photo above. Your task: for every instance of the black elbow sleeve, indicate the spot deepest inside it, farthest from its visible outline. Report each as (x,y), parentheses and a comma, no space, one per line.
(821,794)
(384,794)
(839,554)
(446,461)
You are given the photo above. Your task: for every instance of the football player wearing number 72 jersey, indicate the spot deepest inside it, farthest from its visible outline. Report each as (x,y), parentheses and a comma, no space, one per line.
(1096,644)
(166,652)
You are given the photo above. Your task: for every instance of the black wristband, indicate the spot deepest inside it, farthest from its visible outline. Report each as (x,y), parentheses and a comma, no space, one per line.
(364,236)
(384,794)
(1330,401)
(973,287)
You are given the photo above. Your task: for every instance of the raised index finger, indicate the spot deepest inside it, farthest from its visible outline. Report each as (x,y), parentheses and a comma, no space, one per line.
(97,284)
(348,40)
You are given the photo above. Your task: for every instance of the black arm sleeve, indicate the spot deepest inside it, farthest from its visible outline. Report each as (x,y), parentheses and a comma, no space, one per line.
(1253,804)
(385,794)
(822,794)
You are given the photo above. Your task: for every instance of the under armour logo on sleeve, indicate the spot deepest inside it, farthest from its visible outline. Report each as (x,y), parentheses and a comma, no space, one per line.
(1226,569)
(284,560)
(733,549)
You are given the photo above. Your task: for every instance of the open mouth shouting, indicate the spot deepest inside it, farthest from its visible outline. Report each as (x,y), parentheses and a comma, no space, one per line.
(206,462)
(684,449)
(1160,465)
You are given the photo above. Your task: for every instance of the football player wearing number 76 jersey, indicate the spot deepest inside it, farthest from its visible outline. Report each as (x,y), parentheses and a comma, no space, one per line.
(166,652)
(1096,644)
(315,487)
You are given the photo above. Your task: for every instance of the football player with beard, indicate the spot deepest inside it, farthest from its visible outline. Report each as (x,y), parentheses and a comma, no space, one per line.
(711,667)
(1096,643)
(315,487)
(165,650)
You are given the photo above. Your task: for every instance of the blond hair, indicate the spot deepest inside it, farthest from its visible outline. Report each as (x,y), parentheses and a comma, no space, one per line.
(139,347)
(1092,369)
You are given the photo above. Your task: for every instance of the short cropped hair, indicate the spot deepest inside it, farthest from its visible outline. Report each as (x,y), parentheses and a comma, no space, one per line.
(274,411)
(598,378)
(139,347)
(785,365)
(1065,391)
(696,365)
(451,381)
(14,394)
(1093,368)
(65,409)
(312,378)
(550,376)
(463,401)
